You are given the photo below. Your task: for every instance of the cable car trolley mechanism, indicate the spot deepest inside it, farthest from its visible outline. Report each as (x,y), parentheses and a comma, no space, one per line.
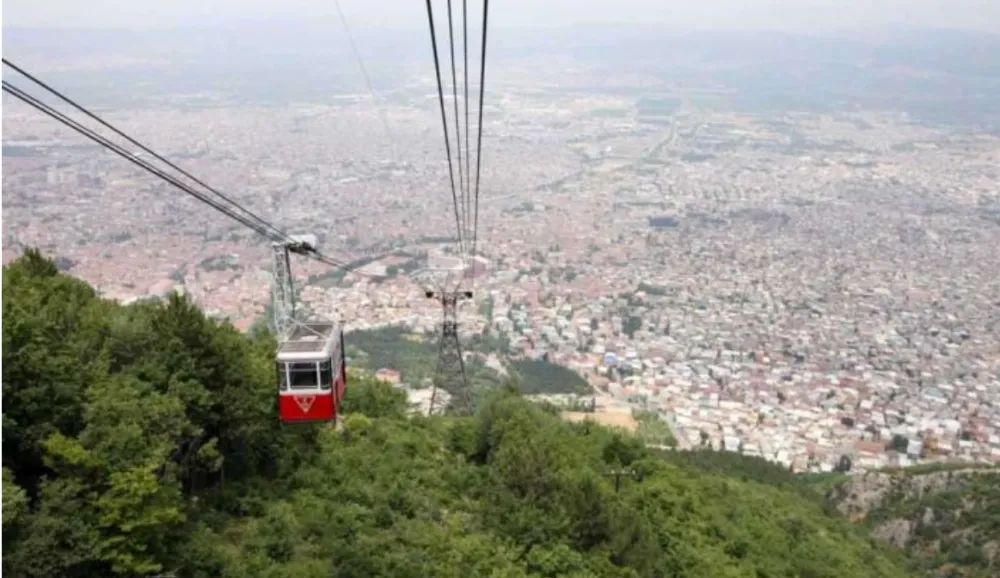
(310,361)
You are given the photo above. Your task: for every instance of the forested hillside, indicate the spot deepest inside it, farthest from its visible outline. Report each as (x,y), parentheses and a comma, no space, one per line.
(141,440)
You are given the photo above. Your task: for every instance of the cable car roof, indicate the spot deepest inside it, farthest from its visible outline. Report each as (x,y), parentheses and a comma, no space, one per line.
(309,341)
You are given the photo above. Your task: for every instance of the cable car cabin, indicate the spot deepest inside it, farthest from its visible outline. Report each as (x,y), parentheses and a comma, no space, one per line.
(312,376)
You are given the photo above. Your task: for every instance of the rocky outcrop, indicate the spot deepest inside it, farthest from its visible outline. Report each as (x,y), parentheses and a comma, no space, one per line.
(858,496)
(946,518)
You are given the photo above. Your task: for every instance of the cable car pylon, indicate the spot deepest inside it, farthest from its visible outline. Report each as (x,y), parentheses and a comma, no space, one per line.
(450,373)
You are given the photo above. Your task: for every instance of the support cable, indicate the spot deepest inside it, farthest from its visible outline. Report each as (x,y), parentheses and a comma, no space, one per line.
(458,130)
(479,138)
(371,90)
(465,69)
(444,121)
(271,232)
(122,152)
(261,222)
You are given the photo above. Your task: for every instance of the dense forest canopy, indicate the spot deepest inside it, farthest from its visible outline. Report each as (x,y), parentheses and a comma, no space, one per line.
(141,439)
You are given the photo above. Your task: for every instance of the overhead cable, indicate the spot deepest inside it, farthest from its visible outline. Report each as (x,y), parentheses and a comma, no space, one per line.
(364,72)
(261,222)
(270,232)
(444,122)
(479,138)
(458,130)
(131,157)
(465,70)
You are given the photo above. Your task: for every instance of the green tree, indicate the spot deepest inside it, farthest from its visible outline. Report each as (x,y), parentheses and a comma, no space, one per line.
(15,500)
(632,324)
(844,464)
(899,443)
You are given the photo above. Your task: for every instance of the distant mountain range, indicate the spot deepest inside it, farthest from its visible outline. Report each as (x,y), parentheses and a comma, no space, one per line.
(939,76)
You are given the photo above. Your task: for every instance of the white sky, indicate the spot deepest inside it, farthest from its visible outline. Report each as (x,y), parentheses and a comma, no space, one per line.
(790,15)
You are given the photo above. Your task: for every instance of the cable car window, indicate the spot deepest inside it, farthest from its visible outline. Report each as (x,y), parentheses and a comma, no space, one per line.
(303,375)
(325,374)
(282,376)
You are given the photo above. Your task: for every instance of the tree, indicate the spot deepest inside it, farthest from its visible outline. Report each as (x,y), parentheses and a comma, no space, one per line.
(51,351)
(844,464)
(899,443)
(15,500)
(622,451)
(632,324)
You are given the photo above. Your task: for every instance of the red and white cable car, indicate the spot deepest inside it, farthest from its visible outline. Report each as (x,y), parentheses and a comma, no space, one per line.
(312,373)
(310,362)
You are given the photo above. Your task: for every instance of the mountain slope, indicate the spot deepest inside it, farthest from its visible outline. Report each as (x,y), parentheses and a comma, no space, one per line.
(947,519)
(141,440)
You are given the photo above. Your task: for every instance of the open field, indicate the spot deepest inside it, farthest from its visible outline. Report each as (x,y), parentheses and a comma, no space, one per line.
(622,419)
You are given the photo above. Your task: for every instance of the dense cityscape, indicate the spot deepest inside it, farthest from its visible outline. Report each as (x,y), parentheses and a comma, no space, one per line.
(799,286)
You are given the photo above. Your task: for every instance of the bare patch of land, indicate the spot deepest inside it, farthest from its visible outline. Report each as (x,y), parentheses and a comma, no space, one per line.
(621,419)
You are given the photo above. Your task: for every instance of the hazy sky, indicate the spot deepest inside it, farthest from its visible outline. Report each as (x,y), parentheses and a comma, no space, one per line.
(802,15)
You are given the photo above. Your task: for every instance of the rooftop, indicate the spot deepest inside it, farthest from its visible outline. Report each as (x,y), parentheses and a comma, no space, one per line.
(309,338)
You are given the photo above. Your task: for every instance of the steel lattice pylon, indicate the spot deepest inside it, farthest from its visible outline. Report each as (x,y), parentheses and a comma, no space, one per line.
(282,290)
(282,286)
(450,375)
